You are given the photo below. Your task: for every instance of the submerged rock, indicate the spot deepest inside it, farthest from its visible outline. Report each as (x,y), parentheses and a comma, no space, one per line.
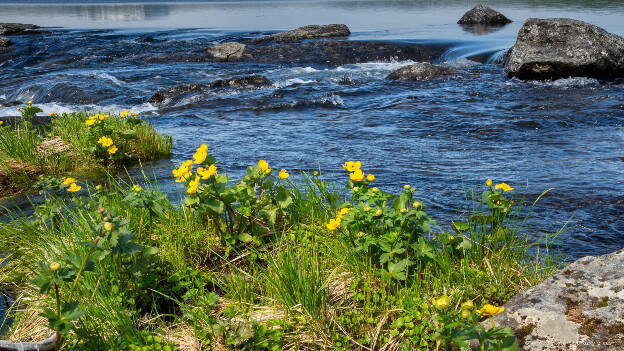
(247,82)
(562,47)
(307,32)
(579,308)
(483,15)
(227,51)
(420,71)
(16,28)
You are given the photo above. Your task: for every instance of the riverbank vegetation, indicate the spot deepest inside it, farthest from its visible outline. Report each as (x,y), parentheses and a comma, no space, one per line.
(268,262)
(80,144)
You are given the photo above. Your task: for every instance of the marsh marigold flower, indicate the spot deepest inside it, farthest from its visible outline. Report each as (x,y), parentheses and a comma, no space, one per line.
(263,164)
(136,188)
(283,174)
(315,172)
(206,173)
(333,224)
(105,141)
(488,182)
(200,156)
(503,186)
(193,186)
(124,113)
(352,166)
(74,188)
(370,177)
(417,205)
(69,181)
(490,310)
(442,302)
(55,266)
(406,186)
(53,114)
(112,149)
(378,212)
(357,175)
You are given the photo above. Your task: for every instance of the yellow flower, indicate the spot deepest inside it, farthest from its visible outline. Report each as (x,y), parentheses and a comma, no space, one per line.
(503,186)
(442,303)
(315,173)
(1,123)
(357,175)
(136,188)
(124,113)
(370,177)
(490,310)
(105,141)
(30,102)
(417,205)
(183,172)
(73,188)
(378,213)
(263,164)
(55,266)
(333,224)
(367,208)
(200,156)
(352,166)
(406,186)
(193,186)
(133,114)
(375,189)
(53,114)
(102,117)
(344,211)
(90,122)
(283,174)
(69,181)
(112,149)
(206,173)
(488,182)
(268,171)
(403,210)
(98,187)
(466,314)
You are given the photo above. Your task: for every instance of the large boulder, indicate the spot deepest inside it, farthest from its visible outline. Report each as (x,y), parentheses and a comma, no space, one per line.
(307,32)
(420,71)
(483,15)
(175,93)
(16,28)
(579,308)
(231,51)
(562,47)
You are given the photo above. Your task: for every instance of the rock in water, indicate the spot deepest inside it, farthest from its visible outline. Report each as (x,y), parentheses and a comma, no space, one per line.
(16,28)
(562,47)
(4,42)
(420,71)
(227,51)
(247,82)
(483,15)
(579,308)
(307,32)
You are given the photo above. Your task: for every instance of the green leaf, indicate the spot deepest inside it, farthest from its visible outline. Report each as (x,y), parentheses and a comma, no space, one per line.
(245,237)
(128,134)
(214,204)
(270,214)
(460,227)
(283,198)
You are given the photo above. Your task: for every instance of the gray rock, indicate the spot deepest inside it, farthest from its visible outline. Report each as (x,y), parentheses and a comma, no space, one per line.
(175,93)
(484,15)
(227,51)
(4,42)
(562,47)
(307,32)
(579,308)
(16,28)
(420,71)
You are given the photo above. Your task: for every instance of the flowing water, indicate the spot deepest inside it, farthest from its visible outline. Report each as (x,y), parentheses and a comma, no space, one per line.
(442,136)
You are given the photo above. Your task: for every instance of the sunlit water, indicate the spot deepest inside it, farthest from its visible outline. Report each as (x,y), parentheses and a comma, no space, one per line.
(441,136)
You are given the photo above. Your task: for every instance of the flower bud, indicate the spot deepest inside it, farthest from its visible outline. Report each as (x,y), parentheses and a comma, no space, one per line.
(417,205)
(106,219)
(108,226)
(442,303)
(468,305)
(406,186)
(55,266)
(378,213)
(355,188)
(466,314)
(488,182)
(101,210)
(403,210)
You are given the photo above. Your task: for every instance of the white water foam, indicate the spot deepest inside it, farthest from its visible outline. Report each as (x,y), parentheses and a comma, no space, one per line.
(68,108)
(563,83)
(292,81)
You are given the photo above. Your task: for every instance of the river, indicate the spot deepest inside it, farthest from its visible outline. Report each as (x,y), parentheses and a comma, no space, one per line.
(441,136)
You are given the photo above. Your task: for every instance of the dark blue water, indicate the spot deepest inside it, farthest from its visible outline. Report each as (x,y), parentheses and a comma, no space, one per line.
(441,136)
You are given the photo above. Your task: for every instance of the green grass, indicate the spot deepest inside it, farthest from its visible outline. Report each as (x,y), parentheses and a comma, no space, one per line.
(66,147)
(303,287)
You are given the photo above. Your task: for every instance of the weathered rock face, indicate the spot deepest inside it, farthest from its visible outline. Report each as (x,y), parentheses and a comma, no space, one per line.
(579,308)
(483,15)
(562,47)
(227,51)
(16,28)
(248,82)
(420,71)
(307,32)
